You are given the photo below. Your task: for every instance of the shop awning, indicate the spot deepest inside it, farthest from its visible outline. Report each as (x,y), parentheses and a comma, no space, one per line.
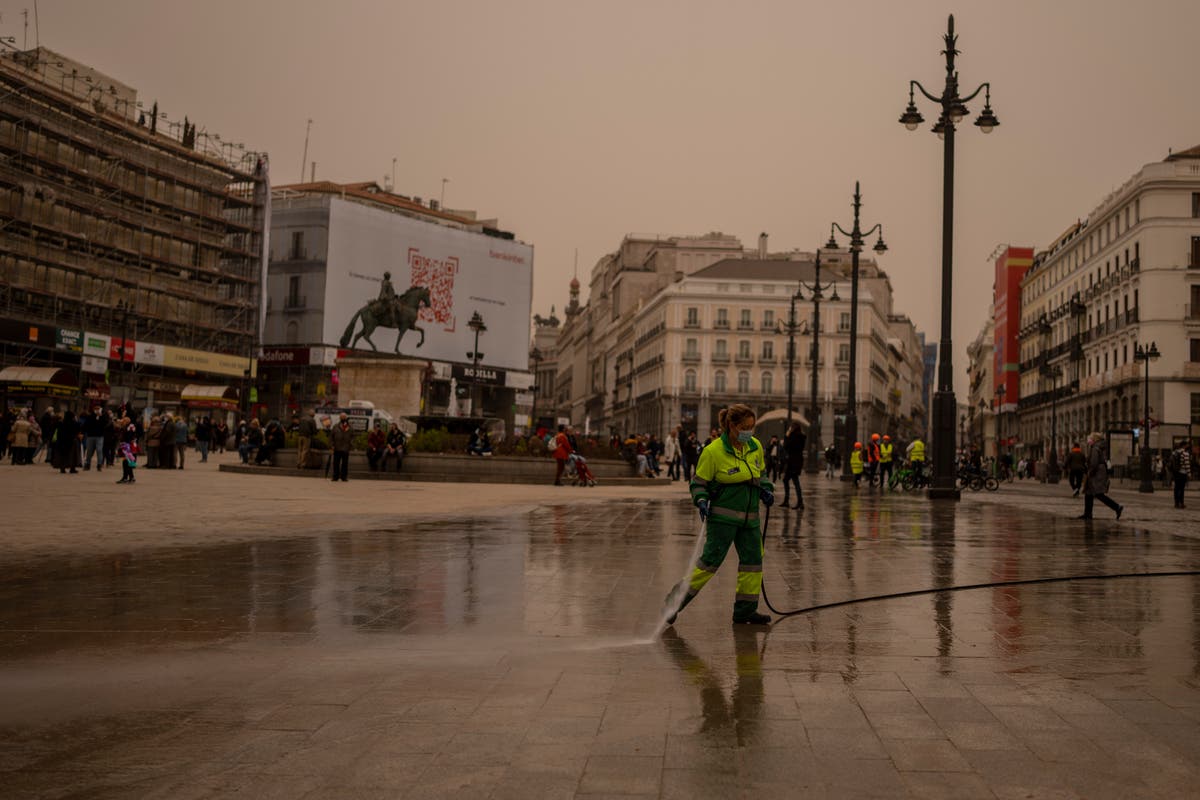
(198,396)
(52,381)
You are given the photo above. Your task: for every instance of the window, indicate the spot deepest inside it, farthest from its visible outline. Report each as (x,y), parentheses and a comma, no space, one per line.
(722,348)
(1124,354)
(1195,205)
(690,349)
(1194,349)
(744,321)
(1196,408)
(766,378)
(1194,261)
(293,298)
(722,318)
(744,348)
(843,356)
(693,318)
(293,332)
(719,381)
(689,380)
(768,350)
(297,245)
(843,385)
(768,319)
(743,382)
(844,321)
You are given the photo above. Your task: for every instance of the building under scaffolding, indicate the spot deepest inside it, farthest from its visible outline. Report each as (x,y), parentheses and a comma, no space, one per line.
(131,246)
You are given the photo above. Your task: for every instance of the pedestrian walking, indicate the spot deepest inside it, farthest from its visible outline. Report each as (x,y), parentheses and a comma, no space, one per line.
(727,488)
(1095,484)
(166,443)
(93,438)
(832,461)
(774,457)
(66,444)
(671,454)
(304,436)
(1180,463)
(204,432)
(793,450)
(689,453)
(1076,466)
(153,434)
(340,438)
(562,451)
(182,436)
(19,441)
(871,461)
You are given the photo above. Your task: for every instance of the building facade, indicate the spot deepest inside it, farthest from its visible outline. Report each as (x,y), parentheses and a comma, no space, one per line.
(683,344)
(131,249)
(1127,275)
(981,397)
(1011,265)
(334,245)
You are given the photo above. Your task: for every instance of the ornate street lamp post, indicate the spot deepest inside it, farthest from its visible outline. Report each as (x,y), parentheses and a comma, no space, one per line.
(475,324)
(792,327)
(816,289)
(1053,472)
(1146,354)
(855,234)
(536,356)
(953,111)
(1000,392)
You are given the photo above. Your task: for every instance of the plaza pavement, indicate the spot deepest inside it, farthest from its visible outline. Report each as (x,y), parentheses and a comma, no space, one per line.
(203,634)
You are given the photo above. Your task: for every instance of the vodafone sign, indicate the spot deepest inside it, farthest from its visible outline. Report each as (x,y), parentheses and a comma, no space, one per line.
(463,273)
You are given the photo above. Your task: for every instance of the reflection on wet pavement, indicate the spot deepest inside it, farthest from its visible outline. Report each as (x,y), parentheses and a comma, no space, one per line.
(498,658)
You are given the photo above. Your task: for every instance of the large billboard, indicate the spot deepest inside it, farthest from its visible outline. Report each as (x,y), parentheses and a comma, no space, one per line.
(439,278)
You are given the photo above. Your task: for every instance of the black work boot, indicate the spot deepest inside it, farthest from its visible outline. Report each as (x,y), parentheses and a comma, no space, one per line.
(677,604)
(753,619)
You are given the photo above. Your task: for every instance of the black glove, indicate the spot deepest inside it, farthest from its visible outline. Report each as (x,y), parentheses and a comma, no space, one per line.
(703,506)
(767,497)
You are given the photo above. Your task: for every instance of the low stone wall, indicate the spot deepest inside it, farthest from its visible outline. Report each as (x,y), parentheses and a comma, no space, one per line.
(445,467)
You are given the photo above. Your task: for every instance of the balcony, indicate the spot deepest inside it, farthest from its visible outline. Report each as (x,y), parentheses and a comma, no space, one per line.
(721,325)
(745,358)
(720,358)
(295,303)
(745,325)
(1191,312)
(768,359)
(690,358)
(691,325)
(767,326)
(1131,316)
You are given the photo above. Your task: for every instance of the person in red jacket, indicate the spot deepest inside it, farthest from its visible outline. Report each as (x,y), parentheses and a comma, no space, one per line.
(872,460)
(562,451)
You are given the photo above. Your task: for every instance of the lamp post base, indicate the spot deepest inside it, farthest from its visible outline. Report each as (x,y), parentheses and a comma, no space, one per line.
(1147,484)
(934,493)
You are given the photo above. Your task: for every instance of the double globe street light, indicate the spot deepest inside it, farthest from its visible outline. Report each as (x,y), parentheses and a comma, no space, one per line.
(1146,354)
(855,234)
(953,111)
(817,290)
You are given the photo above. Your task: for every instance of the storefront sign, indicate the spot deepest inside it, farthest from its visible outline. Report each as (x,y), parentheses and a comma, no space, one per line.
(95,344)
(165,386)
(98,391)
(201,361)
(287,356)
(96,366)
(149,353)
(68,340)
(481,375)
(114,349)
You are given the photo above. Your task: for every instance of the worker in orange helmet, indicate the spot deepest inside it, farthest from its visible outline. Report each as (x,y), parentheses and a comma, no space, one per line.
(872,459)
(856,463)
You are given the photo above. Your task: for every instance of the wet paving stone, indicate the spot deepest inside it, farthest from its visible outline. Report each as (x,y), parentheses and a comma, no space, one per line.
(519,656)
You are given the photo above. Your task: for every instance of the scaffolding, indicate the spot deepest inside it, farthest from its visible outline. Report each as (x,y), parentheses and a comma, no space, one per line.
(111,225)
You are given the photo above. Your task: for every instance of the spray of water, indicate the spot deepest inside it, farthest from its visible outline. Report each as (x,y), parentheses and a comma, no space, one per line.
(672,602)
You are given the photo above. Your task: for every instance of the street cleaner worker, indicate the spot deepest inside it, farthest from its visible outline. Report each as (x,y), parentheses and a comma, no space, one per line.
(856,463)
(727,488)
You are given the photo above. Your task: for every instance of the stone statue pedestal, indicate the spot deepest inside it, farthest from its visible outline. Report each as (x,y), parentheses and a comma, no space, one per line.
(392,383)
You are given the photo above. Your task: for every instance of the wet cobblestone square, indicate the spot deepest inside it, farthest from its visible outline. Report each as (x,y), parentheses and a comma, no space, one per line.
(516,655)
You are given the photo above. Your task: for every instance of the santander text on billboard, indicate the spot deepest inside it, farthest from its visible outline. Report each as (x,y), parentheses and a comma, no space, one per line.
(438,278)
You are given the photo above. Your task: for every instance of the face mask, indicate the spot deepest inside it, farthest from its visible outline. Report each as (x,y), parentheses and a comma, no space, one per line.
(745,436)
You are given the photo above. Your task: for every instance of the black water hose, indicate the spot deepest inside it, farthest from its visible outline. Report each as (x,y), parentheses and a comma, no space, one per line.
(961,588)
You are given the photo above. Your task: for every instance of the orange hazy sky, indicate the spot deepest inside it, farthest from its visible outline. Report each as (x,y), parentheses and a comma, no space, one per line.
(576,123)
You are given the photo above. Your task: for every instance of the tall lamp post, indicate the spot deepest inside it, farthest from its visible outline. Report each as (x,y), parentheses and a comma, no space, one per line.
(855,234)
(535,355)
(1146,354)
(1053,472)
(791,327)
(816,289)
(953,111)
(1000,392)
(475,324)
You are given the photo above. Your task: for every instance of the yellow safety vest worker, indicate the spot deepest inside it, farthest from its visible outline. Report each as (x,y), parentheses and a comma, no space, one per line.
(918,450)
(885,453)
(856,462)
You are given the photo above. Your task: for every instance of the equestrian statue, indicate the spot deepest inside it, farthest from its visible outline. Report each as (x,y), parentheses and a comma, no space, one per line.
(388,311)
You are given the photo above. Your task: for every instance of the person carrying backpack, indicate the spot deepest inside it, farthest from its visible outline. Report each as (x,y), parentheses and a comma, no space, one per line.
(1180,464)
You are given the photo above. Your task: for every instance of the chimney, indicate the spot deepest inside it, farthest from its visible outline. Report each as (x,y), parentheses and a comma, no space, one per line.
(762,246)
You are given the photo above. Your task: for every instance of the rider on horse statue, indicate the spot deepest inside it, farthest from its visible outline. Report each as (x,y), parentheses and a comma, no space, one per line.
(385,307)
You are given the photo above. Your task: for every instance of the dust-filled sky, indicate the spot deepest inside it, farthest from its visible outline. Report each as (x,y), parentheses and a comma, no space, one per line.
(576,123)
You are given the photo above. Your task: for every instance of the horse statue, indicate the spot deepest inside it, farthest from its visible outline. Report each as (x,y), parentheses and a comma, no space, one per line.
(400,314)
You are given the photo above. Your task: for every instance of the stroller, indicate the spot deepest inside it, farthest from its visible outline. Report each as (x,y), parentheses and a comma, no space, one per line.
(579,471)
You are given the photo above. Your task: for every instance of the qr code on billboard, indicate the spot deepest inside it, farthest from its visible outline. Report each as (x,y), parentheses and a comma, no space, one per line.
(437,275)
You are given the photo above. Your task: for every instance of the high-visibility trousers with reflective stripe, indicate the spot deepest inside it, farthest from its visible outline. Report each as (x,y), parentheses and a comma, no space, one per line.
(745,537)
